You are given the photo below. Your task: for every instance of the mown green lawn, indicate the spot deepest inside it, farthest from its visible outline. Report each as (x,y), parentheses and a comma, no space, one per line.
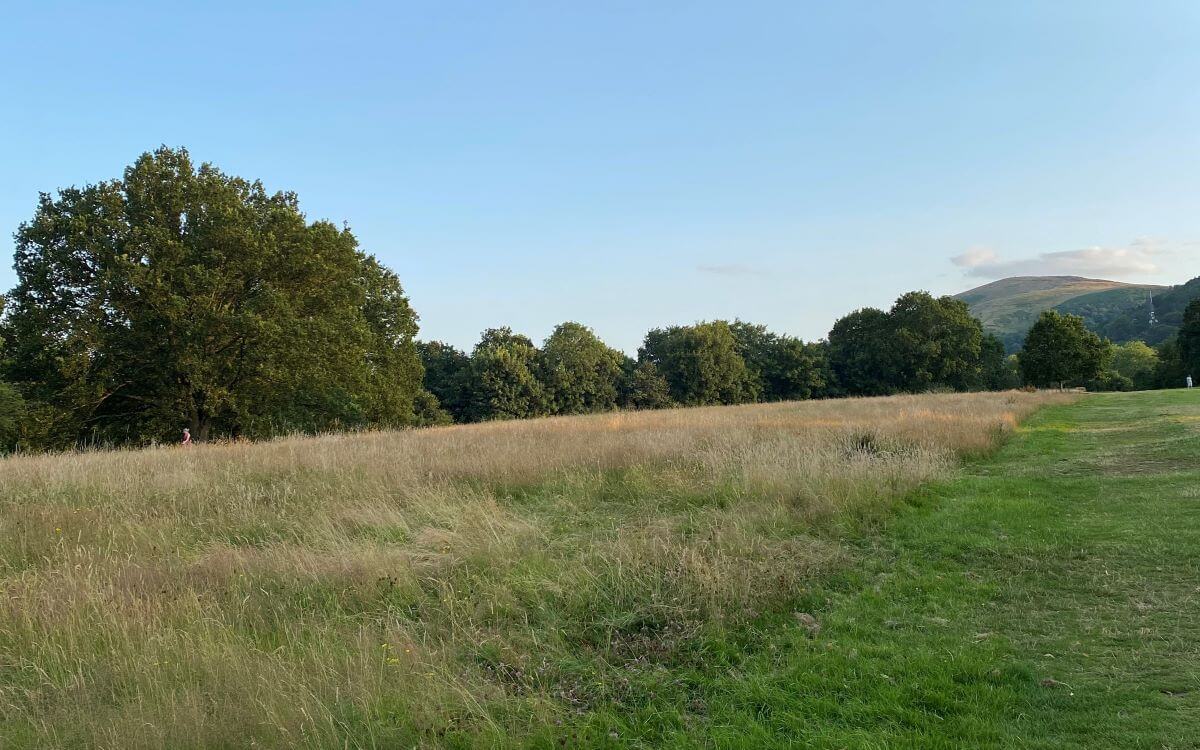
(1048,597)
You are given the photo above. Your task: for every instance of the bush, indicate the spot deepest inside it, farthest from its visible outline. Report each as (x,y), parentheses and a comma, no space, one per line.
(1110,381)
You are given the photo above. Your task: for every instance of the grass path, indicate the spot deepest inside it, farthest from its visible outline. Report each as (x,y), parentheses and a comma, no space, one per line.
(1048,597)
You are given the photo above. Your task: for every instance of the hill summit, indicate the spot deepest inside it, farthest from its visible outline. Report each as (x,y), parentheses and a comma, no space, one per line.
(1117,309)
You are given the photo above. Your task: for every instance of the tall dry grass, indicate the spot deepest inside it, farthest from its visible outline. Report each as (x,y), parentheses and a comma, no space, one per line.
(381,589)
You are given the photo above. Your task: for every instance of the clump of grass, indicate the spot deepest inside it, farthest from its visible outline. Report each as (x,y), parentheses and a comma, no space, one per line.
(864,443)
(459,584)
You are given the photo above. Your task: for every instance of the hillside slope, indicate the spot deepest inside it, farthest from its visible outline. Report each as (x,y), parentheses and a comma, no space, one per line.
(1008,307)
(1134,322)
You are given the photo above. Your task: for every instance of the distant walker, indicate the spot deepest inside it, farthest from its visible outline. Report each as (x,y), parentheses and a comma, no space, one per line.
(187,434)
(1189,381)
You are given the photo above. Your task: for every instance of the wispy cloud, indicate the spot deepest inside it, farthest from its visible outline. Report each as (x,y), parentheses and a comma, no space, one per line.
(730,269)
(975,257)
(1142,257)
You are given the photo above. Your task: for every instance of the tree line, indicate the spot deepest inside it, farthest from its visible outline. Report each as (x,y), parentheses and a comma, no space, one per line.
(922,342)
(179,296)
(507,376)
(1060,351)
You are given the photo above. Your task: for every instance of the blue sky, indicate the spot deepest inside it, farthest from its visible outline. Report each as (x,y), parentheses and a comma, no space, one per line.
(632,164)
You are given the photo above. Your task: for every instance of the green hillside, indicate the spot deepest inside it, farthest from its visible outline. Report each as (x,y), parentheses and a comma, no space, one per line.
(1134,323)
(1008,307)
(1131,304)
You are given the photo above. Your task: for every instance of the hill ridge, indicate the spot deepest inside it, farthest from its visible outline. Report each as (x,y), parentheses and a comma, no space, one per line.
(1009,306)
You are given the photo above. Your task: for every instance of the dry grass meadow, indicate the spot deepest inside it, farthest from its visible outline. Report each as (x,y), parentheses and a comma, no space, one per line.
(453,586)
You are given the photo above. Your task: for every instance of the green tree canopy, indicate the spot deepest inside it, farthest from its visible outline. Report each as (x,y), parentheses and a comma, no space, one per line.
(1189,339)
(1170,372)
(1060,351)
(935,342)
(997,371)
(922,342)
(12,406)
(12,411)
(581,374)
(646,388)
(181,296)
(503,376)
(1136,361)
(783,367)
(861,353)
(447,377)
(701,364)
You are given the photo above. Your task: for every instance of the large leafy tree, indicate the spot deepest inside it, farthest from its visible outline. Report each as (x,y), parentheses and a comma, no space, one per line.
(12,411)
(447,377)
(935,342)
(181,296)
(1060,351)
(700,363)
(997,370)
(1136,361)
(922,342)
(581,374)
(783,367)
(862,354)
(12,406)
(1189,339)
(504,383)
(1170,372)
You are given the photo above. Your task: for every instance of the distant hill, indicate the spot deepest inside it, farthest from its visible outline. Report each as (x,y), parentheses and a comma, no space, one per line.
(1115,309)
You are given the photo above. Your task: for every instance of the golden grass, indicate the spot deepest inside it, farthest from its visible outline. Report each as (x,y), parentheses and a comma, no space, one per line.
(385,588)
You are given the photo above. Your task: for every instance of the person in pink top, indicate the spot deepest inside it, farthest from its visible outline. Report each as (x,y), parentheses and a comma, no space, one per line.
(187,436)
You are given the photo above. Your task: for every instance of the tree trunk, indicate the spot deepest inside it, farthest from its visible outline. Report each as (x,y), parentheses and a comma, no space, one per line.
(201,426)
(199,417)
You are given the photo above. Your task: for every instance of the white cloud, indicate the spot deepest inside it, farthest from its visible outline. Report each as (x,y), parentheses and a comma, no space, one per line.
(974,257)
(1140,258)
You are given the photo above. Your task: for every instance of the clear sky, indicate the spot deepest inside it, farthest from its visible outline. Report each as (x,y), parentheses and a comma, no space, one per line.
(637,164)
